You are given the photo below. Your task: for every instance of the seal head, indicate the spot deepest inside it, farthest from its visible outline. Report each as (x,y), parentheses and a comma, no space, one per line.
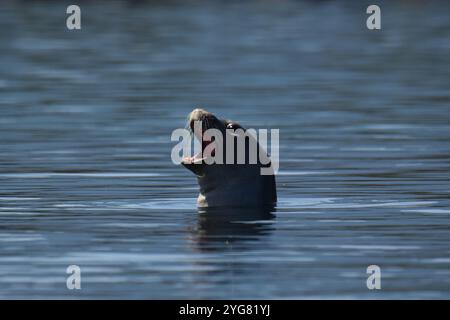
(229,184)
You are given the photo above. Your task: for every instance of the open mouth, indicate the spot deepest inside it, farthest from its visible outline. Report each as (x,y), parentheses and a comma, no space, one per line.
(196,163)
(199,157)
(199,122)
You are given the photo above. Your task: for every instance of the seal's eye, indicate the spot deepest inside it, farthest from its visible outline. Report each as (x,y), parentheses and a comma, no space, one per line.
(233,126)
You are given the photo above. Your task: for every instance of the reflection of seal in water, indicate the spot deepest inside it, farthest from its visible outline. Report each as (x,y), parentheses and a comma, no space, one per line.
(230,184)
(222,228)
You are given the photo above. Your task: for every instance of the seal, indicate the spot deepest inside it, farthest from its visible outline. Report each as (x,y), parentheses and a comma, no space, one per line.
(234,184)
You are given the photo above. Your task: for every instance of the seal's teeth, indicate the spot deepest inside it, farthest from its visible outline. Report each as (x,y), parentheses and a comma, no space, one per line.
(197,156)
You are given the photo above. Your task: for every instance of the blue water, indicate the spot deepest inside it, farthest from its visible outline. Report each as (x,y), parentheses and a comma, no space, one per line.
(86,176)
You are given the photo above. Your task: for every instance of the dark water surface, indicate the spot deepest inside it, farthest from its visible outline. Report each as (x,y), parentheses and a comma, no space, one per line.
(86,176)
